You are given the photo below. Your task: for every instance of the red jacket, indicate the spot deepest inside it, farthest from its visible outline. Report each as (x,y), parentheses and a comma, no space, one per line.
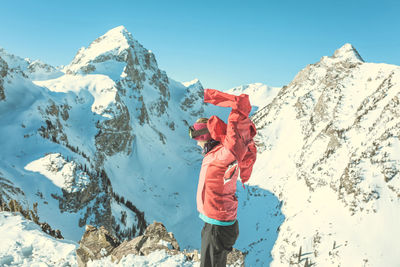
(235,154)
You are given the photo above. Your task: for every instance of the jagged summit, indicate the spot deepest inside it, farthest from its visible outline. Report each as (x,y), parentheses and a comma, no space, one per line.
(25,67)
(347,52)
(110,45)
(13,61)
(192,82)
(118,30)
(116,45)
(118,36)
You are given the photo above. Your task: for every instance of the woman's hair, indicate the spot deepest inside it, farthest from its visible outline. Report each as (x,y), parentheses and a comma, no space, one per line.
(202,120)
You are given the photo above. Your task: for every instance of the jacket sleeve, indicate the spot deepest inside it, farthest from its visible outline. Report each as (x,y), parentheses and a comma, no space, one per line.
(246,165)
(239,128)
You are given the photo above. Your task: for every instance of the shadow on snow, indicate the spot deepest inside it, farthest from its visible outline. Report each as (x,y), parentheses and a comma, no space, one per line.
(259,216)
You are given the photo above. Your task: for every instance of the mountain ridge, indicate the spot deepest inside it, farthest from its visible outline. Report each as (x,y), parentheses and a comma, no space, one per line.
(333,127)
(114,127)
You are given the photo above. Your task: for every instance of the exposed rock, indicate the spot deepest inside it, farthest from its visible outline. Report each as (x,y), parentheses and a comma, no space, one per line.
(9,191)
(37,70)
(95,243)
(3,73)
(157,238)
(128,247)
(54,129)
(48,230)
(348,52)
(114,134)
(192,255)
(193,100)
(98,243)
(235,258)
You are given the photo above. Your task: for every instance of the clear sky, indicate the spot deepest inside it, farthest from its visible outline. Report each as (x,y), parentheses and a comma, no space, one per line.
(223,43)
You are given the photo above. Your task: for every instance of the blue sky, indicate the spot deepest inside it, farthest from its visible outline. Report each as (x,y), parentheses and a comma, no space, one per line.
(223,43)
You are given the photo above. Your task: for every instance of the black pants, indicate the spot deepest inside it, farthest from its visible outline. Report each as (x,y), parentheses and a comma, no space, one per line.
(216,242)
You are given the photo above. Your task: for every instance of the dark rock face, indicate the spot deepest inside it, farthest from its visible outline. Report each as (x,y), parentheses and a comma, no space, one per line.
(98,243)
(48,230)
(3,73)
(9,191)
(114,134)
(192,103)
(54,117)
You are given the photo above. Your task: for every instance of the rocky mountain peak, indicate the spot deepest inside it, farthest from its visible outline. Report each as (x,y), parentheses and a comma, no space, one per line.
(15,66)
(347,52)
(192,82)
(115,46)
(119,32)
(116,38)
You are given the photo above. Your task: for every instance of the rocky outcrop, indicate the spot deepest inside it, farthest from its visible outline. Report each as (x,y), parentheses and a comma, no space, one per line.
(9,191)
(17,67)
(98,243)
(114,135)
(54,116)
(37,70)
(235,258)
(95,243)
(193,100)
(155,238)
(3,73)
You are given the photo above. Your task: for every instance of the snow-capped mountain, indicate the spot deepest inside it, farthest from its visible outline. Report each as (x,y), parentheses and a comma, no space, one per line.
(85,142)
(260,94)
(104,141)
(335,129)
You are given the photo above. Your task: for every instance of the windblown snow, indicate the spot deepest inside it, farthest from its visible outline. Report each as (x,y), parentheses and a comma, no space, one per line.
(24,244)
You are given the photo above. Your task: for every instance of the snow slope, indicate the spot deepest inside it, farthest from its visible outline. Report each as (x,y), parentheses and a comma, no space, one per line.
(24,244)
(335,129)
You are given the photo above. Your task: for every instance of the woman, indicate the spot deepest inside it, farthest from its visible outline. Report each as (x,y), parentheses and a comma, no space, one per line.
(228,150)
